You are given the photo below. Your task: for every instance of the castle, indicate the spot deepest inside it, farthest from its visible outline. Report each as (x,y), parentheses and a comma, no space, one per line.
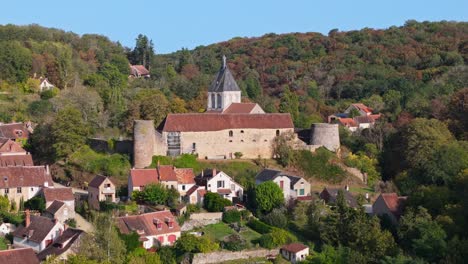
(228,128)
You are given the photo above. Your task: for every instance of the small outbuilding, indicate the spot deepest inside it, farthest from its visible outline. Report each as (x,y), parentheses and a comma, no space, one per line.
(295,252)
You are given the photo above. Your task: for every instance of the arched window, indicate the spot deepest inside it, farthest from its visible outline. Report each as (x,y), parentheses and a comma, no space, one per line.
(213,101)
(277,132)
(219,104)
(231,133)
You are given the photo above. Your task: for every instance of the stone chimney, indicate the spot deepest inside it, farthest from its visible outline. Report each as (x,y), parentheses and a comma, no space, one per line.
(159,163)
(47,169)
(27,217)
(214,172)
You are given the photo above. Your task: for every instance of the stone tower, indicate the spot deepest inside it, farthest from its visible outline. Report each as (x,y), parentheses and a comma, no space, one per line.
(223,90)
(143,143)
(326,135)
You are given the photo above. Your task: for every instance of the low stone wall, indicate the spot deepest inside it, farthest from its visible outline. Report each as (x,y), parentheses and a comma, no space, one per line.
(206,216)
(217,257)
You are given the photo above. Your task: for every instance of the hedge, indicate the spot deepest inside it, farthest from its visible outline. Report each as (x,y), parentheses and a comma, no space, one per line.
(259,226)
(231,216)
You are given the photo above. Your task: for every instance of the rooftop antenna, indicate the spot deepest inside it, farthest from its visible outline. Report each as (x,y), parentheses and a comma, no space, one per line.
(224,61)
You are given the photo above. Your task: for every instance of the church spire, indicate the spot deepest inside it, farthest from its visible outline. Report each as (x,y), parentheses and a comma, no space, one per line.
(224,61)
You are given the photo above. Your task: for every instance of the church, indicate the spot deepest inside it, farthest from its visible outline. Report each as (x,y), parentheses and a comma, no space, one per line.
(227,129)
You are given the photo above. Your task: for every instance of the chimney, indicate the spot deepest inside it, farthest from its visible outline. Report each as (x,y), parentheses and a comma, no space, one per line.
(202,172)
(28,217)
(346,188)
(214,172)
(158,164)
(47,169)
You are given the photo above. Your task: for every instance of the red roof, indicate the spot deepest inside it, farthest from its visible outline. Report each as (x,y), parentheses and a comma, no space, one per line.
(142,177)
(8,146)
(394,203)
(146,223)
(16,160)
(59,194)
(294,247)
(348,122)
(239,108)
(167,173)
(24,176)
(192,190)
(363,107)
(196,122)
(14,130)
(139,70)
(185,176)
(18,256)
(202,192)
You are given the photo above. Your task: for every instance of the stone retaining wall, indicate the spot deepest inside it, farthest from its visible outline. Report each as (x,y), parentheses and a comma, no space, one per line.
(217,257)
(206,216)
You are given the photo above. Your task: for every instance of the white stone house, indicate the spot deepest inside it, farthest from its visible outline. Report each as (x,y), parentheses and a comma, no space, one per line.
(294,252)
(195,195)
(292,186)
(38,232)
(155,229)
(220,183)
(45,85)
(7,228)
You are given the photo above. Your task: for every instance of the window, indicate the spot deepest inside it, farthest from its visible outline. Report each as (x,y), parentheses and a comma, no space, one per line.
(213,101)
(219,101)
(277,132)
(107,185)
(18,190)
(301,191)
(7,191)
(230,140)
(220,184)
(32,188)
(194,146)
(242,131)
(281,184)
(242,140)
(231,133)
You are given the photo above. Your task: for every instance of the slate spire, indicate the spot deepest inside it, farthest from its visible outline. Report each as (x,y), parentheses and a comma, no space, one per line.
(224,81)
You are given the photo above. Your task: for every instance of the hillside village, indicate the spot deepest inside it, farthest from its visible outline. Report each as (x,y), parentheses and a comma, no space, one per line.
(114,170)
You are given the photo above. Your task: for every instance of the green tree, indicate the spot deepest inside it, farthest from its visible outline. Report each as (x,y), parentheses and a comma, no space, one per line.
(253,86)
(189,243)
(69,132)
(4,204)
(153,194)
(143,52)
(15,61)
(36,203)
(289,103)
(268,195)
(213,202)
(142,256)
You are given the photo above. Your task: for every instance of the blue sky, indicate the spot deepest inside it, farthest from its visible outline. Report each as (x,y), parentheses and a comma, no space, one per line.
(173,24)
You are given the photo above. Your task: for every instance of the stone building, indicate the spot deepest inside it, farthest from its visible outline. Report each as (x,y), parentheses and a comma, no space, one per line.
(390,205)
(292,186)
(100,189)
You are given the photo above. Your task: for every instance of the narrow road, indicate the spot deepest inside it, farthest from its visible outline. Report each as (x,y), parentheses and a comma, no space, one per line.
(82,224)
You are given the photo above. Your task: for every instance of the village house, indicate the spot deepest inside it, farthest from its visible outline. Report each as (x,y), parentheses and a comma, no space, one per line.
(154,229)
(220,183)
(59,194)
(18,256)
(364,119)
(180,179)
(16,131)
(45,84)
(64,246)
(38,232)
(293,187)
(138,71)
(294,252)
(390,205)
(12,154)
(7,228)
(329,196)
(195,195)
(100,189)
(24,182)
(60,211)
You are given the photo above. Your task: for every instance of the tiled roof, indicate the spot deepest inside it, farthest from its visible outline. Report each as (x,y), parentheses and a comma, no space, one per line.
(24,176)
(16,160)
(267,175)
(143,177)
(394,203)
(14,130)
(294,247)
(349,122)
(146,223)
(196,122)
(185,176)
(8,146)
(364,119)
(363,107)
(192,190)
(59,194)
(97,181)
(18,256)
(54,207)
(239,108)
(139,70)
(62,244)
(166,173)
(37,230)
(201,192)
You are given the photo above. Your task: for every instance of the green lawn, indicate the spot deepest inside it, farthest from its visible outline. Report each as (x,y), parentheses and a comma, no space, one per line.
(250,234)
(217,231)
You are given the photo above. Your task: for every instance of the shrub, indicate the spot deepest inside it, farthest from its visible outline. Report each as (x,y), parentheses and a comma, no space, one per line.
(277,218)
(259,226)
(71,222)
(276,238)
(234,242)
(47,94)
(36,203)
(231,216)
(215,203)
(238,155)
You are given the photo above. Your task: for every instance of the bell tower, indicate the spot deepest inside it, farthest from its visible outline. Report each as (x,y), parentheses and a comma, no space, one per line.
(223,90)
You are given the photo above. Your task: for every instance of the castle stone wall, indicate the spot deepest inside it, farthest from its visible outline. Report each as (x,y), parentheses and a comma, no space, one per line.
(144,140)
(326,135)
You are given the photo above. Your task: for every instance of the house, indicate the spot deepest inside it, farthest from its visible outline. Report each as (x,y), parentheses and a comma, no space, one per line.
(154,229)
(38,232)
(294,252)
(16,131)
(60,211)
(100,189)
(362,109)
(137,71)
(59,194)
(243,108)
(329,195)
(390,205)
(44,84)
(7,228)
(24,182)
(18,256)
(12,154)
(293,187)
(195,195)
(220,183)
(180,179)
(64,246)
(364,120)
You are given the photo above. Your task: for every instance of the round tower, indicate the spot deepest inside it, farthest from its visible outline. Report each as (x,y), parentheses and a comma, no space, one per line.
(143,143)
(326,135)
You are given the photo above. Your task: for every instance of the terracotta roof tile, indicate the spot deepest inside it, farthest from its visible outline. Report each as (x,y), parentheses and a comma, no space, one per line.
(348,122)
(223,191)
(166,173)
(142,177)
(363,107)
(201,192)
(196,122)
(138,70)
(239,108)
(24,176)
(146,223)
(59,194)
(9,146)
(16,160)
(192,190)
(14,130)
(394,203)
(185,176)
(294,247)
(18,256)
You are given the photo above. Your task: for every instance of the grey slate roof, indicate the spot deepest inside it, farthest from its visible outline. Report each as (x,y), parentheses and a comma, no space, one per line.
(267,175)
(54,207)
(38,229)
(224,81)
(62,244)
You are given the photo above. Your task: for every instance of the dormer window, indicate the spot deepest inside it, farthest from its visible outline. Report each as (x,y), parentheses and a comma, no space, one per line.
(157,223)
